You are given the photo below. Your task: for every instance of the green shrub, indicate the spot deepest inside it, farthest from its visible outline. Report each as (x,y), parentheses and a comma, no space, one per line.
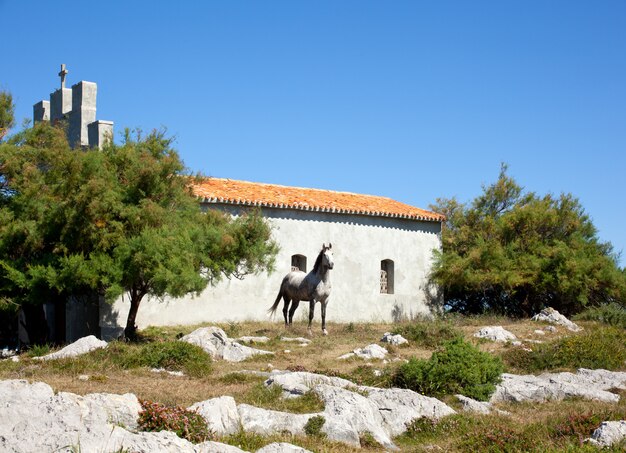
(604,347)
(38,350)
(458,367)
(612,314)
(187,424)
(175,356)
(430,334)
(313,426)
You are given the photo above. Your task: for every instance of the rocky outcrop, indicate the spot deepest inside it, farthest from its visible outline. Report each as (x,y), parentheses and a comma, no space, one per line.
(478,407)
(395,340)
(216,343)
(220,413)
(608,434)
(266,422)
(372,351)
(495,333)
(79,347)
(552,316)
(282,447)
(587,384)
(352,410)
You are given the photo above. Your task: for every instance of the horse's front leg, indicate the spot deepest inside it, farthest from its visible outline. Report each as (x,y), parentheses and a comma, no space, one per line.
(286,309)
(324,331)
(294,306)
(311,312)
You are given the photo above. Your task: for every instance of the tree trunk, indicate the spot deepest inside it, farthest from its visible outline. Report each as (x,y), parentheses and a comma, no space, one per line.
(130,332)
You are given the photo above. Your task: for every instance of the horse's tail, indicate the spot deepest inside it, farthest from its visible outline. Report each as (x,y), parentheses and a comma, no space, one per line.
(273,308)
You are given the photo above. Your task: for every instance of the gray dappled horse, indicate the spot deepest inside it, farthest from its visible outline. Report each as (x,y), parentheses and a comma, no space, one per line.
(314,286)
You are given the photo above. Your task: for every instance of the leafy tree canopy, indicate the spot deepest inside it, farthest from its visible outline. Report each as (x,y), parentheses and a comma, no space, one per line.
(120,219)
(7,111)
(514,252)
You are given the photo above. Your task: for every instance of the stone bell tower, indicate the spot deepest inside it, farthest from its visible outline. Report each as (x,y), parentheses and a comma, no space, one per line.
(77,106)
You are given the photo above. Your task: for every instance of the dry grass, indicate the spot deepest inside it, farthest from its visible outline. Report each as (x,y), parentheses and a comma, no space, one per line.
(321,355)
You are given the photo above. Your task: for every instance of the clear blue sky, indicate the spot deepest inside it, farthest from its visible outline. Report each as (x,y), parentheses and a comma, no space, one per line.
(413,100)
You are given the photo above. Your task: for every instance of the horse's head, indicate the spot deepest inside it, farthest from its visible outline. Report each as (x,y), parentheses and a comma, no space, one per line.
(328,260)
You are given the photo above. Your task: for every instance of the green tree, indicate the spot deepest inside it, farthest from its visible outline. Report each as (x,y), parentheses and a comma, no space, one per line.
(120,219)
(514,253)
(7,113)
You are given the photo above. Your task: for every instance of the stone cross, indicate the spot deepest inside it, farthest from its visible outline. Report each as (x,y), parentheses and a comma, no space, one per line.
(62,74)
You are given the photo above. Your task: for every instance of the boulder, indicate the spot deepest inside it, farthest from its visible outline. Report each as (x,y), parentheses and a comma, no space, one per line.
(220,413)
(495,333)
(35,419)
(609,433)
(349,414)
(401,406)
(267,422)
(282,447)
(395,340)
(586,384)
(478,407)
(216,343)
(372,351)
(300,382)
(79,347)
(552,316)
(216,447)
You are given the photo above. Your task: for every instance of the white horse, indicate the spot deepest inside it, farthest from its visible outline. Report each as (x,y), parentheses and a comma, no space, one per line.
(313,287)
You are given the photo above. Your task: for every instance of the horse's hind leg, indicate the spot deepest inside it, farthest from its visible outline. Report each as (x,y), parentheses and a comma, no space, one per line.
(286,309)
(324,331)
(311,312)
(292,310)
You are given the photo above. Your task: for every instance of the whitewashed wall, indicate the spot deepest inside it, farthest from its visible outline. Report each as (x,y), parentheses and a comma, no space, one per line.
(359,244)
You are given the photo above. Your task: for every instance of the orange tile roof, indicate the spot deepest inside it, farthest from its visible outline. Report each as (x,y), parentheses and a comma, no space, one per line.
(217,190)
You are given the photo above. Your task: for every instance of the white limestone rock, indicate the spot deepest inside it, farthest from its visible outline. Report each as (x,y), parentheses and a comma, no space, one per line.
(395,340)
(216,343)
(495,333)
(216,447)
(5,353)
(372,351)
(400,406)
(609,433)
(248,339)
(79,347)
(300,340)
(220,413)
(349,414)
(478,407)
(299,382)
(587,384)
(35,419)
(282,447)
(552,316)
(267,422)
(143,442)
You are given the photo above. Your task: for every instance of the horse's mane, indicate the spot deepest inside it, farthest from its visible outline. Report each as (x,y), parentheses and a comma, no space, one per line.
(318,261)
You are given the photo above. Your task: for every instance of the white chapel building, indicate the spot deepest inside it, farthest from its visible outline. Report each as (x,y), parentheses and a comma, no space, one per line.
(383,252)
(383,249)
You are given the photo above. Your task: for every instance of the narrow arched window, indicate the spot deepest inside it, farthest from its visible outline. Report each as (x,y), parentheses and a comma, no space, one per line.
(298,263)
(386,276)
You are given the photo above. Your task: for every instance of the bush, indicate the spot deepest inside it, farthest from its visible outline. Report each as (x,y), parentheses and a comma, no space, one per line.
(313,426)
(187,424)
(604,347)
(175,356)
(459,367)
(430,334)
(612,314)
